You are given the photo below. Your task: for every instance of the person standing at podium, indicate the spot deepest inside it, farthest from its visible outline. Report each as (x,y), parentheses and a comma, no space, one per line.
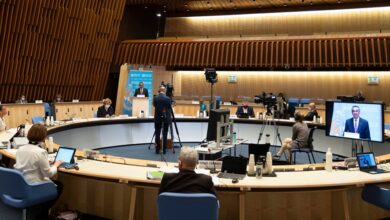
(162,117)
(106,110)
(141,90)
(3,112)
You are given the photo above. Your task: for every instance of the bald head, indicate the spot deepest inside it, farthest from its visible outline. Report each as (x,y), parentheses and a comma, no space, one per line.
(162,89)
(312,106)
(188,158)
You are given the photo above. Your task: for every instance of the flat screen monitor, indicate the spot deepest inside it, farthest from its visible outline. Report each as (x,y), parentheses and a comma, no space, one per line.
(360,121)
(218,115)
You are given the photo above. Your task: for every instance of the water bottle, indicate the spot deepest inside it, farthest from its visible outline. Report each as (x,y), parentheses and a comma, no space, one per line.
(259,170)
(234,137)
(314,119)
(51,120)
(329,160)
(47,122)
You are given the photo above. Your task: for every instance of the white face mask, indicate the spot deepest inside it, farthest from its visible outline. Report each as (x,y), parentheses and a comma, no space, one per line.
(107,106)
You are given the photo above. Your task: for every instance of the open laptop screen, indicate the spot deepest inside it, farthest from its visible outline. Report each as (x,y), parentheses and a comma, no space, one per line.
(65,154)
(235,165)
(366,160)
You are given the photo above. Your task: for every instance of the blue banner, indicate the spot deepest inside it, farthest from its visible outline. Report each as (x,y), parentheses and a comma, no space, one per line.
(133,79)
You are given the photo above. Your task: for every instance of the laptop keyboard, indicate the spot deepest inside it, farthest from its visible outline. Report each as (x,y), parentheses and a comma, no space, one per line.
(231,176)
(385,167)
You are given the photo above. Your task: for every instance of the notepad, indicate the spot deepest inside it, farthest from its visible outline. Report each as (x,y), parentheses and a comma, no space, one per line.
(154,175)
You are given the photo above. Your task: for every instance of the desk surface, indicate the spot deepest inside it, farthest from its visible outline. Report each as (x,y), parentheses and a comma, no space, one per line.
(114,169)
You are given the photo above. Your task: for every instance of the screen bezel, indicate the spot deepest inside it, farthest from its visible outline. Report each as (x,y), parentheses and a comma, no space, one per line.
(369,167)
(329,114)
(67,148)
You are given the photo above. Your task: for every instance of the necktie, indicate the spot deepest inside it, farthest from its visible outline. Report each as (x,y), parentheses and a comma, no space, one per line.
(141,91)
(355,125)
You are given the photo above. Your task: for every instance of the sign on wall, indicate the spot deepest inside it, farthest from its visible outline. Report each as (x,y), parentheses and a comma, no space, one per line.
(373,80)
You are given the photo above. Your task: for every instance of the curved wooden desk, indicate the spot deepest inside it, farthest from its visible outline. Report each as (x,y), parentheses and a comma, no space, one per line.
(113,190)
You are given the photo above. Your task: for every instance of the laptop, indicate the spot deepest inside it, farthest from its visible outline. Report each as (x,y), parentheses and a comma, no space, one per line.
(233,168)
(65,154)
(243,115)
(367,163)
(258,150)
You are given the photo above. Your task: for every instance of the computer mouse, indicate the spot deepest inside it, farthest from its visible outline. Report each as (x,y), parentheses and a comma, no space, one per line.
(234,180)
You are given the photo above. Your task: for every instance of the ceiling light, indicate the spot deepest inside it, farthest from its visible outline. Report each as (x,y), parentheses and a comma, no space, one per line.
(158,14)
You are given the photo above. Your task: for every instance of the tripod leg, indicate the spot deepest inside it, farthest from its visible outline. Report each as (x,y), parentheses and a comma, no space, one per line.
(176,129)
(151,141)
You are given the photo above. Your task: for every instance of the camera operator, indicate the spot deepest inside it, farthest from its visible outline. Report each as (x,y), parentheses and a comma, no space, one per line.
(162,117)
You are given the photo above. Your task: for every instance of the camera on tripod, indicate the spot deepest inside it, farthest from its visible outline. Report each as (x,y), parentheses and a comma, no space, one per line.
(170,90)
(268,100)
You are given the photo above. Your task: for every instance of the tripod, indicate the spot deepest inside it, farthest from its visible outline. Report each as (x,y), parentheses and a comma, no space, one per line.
(171,130)
(267,122)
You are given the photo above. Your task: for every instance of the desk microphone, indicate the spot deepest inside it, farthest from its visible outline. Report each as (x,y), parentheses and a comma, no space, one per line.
(214,170)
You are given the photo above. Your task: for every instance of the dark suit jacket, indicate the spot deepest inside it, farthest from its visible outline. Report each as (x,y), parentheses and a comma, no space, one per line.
(101,113)
(240,110)
(310,115)
(186,181)
(363,128)
(162,108)
(144,92)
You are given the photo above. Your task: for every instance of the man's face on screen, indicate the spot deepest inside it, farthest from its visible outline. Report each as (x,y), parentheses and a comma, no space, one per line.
(355,112)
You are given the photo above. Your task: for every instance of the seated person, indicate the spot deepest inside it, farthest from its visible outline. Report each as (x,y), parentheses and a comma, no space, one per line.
(281,106)
(22,100)
(106,110)
(245,110)
(58,98)
(312,112)
(359,97)
(3,112)
(187,181)
(300,136)
(32,161)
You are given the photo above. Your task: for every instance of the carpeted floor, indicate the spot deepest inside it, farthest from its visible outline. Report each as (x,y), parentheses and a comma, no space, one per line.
(141,151)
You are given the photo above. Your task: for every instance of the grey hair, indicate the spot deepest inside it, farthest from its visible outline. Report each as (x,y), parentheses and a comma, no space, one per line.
(188,156)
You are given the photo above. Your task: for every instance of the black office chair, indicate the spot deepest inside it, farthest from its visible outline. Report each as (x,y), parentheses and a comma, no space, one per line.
(308,150)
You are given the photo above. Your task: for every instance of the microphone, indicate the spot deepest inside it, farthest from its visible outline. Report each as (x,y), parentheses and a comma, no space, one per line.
(214,170)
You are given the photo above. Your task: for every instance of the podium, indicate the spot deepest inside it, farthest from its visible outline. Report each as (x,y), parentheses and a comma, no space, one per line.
(140,104)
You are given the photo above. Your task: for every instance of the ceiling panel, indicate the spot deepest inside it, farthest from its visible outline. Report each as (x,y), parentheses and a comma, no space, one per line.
(210,7)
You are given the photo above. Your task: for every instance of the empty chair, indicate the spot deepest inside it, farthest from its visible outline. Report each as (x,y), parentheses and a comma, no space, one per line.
(304,101)
(189,206)
(47,109)
(292,103)
(20,199)
(377,196)
(308,150)
(38,120)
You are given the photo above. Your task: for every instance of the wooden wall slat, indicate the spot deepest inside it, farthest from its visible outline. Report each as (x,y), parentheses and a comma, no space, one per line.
(306,53)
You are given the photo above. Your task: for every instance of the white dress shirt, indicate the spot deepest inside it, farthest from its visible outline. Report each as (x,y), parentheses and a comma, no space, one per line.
(3,126)
(33,162)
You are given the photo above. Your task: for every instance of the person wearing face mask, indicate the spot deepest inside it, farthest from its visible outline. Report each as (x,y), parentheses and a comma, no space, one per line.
(105,110)
(312,112)
(245,111)
(22,100)
(32,161)
(58,98)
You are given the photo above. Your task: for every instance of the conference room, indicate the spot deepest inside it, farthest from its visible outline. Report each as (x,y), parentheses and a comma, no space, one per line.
(188,109)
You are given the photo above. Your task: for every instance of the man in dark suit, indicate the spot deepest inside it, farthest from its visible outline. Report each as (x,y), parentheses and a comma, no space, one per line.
(356,124)
(106,110)
(312,112)
(244,110)
(187,181)
(162,117)
(141,90)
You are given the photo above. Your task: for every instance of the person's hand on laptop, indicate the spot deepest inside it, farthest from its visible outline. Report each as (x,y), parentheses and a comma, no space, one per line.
(58,163)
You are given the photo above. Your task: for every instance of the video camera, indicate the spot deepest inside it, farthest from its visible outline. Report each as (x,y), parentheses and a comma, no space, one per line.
(268,99)
(170,90)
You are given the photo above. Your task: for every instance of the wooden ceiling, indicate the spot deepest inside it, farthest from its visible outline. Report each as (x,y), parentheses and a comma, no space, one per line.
(211,7)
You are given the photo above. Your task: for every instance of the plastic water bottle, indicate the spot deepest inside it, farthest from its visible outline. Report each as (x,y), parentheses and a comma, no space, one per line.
(329,160)
(234,137)
(51,120)
(47,122)
(315,119)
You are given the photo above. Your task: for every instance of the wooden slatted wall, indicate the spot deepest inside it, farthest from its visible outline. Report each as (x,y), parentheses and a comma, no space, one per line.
(342,52)
(57,46)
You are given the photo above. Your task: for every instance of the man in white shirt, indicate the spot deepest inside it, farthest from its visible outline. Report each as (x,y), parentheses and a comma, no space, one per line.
(3,112)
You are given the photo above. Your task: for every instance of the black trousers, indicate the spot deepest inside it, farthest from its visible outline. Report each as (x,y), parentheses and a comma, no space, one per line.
(158,125)
(45,207)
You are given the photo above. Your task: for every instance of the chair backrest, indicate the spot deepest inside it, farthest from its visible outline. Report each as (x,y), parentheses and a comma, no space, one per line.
(47,108)
(12,183)
(377,196)
(17,193)
(310,138)
(37,120)
(304,101)
(189,206)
